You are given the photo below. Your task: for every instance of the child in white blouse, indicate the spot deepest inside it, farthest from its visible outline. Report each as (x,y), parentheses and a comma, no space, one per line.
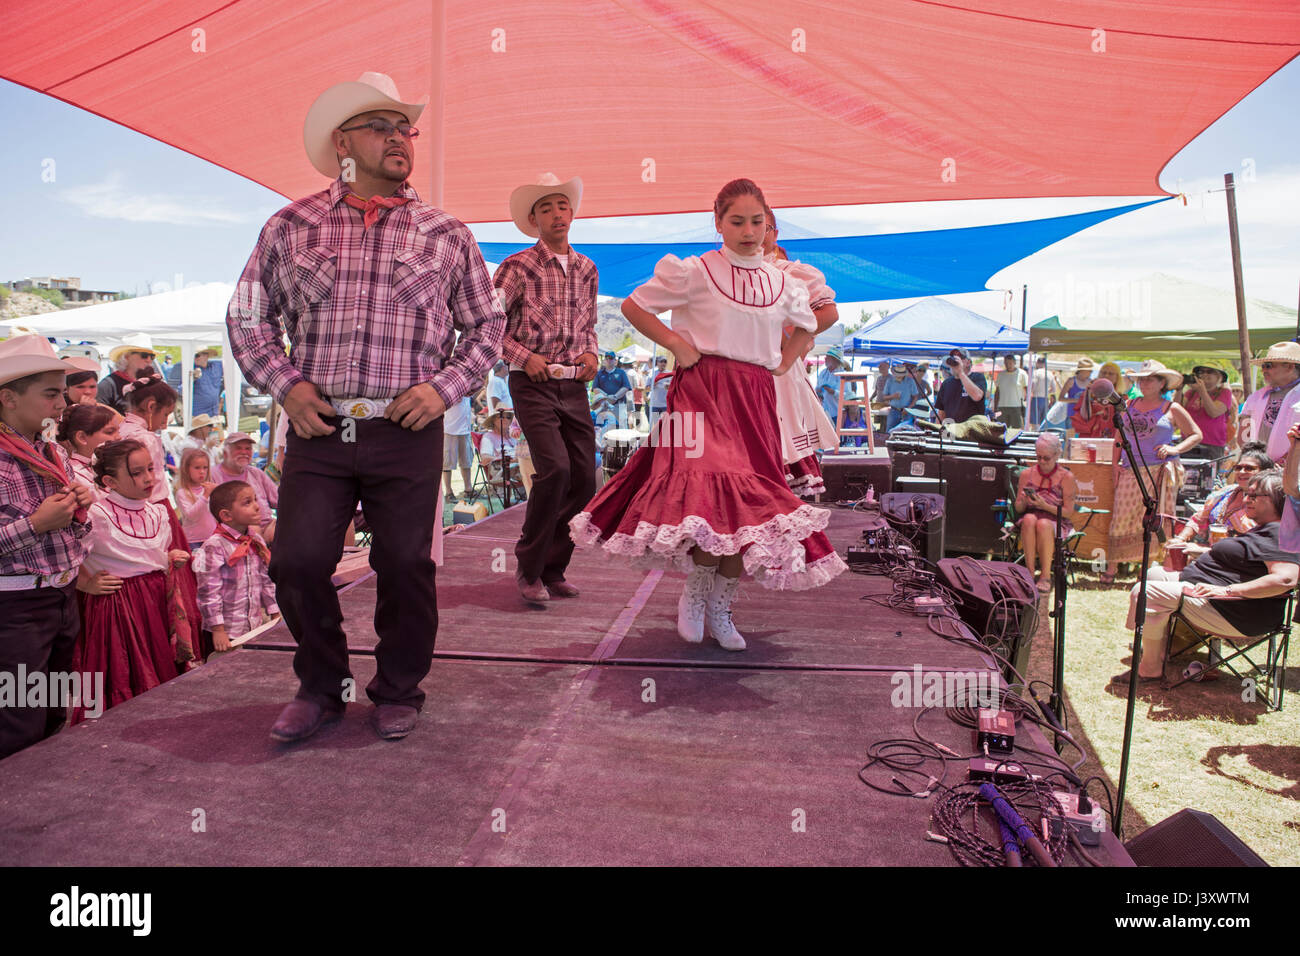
(82,429)
(125,614)
(708,494)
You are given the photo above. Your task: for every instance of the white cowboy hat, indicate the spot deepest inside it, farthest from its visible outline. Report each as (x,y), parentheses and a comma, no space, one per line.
(198,421)
(341,102)
(25,355)
(1281,352)
(1151,369)
(135,342)
(524,198)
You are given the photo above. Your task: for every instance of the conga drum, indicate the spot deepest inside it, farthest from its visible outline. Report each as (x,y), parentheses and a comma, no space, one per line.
(618,448)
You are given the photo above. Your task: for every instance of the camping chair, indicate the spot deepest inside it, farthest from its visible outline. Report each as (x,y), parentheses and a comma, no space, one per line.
(481,483)
(1005,510)
(1269,675)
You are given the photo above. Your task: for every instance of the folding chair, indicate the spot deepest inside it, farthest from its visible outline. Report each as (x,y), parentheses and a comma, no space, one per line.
(481,483)
(1269,676)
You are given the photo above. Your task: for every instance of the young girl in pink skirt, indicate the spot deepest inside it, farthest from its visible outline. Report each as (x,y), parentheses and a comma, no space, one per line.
(708,494)
(125,617)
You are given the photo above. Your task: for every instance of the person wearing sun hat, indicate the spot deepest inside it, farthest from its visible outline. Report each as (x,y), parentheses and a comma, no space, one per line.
(548,293)
(131,360)
(828,383)
(1078,385)
(1272,411)
(1151,422)
(371,284)
(1209,401)
(44,535)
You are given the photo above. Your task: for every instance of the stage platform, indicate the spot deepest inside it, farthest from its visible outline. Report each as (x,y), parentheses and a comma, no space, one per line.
(583,733)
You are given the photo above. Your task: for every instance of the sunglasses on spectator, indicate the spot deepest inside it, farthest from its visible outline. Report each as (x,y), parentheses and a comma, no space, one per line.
(1276,364)
(1245,467)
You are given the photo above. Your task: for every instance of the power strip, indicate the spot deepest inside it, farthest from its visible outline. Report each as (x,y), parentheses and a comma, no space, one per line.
(924,606)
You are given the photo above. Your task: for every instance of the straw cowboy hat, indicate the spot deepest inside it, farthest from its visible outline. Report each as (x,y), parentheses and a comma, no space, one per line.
(198,421)
(1151,368)
(524,198)
(25,355)
(1281,352)
(341,102)
(490,420)
(135,342)
(1085,365)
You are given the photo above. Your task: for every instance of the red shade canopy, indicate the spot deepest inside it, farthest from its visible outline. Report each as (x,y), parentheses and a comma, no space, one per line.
(656,104)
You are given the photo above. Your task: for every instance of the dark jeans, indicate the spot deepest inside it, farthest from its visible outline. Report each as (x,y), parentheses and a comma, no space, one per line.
(38,629)
(556,420)
(394,473)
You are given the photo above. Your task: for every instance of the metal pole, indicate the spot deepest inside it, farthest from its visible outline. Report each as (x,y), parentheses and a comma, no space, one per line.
(1024,305)
(1247,370)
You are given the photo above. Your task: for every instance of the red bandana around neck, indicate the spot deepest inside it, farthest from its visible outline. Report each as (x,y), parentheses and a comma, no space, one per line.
(370,207)
(48,466)
(245,544)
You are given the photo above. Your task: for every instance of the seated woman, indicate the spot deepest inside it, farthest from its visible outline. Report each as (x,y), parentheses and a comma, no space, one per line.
(1235,589)
(1040,489)
(492,450)
(1227,506)
(854,418)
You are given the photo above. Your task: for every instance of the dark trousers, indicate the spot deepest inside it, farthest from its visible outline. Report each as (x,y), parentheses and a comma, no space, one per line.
(394,473)
(38,629)
(556,420)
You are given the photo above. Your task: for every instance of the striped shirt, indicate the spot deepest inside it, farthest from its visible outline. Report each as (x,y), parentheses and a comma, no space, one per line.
(237,597)
(22,549)
(550,311)
(368,312)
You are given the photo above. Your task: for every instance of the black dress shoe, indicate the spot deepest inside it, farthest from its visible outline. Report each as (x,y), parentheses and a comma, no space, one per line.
(393,721)
(300,719)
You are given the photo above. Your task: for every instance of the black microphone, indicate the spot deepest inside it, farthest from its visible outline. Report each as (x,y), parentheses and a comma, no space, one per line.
(1102,390)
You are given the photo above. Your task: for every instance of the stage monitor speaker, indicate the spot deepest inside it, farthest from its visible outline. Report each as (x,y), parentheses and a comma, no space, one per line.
(932,546)
(1191,838)
(919,516)
(974,486)
(847,477)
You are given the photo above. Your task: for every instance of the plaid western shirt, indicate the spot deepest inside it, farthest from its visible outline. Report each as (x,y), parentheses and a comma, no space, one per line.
(548,310)
(369,312)
(238,597)
(22,549)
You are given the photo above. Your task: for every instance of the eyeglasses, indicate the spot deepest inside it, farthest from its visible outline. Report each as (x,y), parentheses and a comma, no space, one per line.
(1276,364)
(1252,494)
(384,128)
(1245,467)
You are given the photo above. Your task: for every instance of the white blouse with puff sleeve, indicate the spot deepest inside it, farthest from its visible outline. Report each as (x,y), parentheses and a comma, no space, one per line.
(728,305)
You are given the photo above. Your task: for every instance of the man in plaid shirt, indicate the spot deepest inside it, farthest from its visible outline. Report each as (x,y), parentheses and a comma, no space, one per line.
(549,295)
(44,532)
(371,285)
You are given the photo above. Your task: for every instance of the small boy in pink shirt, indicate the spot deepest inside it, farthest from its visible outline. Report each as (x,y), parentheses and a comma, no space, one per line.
(235,591)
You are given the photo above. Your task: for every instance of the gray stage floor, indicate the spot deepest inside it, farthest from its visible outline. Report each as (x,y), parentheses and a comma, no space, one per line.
(585,733)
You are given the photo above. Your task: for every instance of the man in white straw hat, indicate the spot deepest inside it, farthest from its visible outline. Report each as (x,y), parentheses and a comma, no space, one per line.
(1271,411)
(130,361)
(371,284)
(549,296)
(44,533)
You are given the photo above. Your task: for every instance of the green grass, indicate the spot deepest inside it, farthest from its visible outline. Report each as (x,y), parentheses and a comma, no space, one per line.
(1198,745)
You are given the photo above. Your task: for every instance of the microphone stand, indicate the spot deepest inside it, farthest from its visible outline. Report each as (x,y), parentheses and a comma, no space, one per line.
(1150,525)
(1057,699)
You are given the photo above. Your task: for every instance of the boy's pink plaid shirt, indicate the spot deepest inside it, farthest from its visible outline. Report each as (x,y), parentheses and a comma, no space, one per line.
(549,311)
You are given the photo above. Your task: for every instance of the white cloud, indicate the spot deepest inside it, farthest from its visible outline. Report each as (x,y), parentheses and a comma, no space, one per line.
(113,199)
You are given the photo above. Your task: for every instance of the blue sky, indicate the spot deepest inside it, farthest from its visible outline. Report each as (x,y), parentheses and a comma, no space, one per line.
(126,212)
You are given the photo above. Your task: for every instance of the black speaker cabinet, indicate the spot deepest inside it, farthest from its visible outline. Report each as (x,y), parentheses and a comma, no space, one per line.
(847,477)
(974,484)
(1191,838)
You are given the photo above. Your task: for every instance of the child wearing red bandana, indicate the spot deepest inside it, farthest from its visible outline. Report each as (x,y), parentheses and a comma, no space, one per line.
(235,592)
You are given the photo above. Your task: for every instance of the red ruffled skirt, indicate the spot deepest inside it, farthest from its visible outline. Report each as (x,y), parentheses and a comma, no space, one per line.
(125,636)
(190,643)
(712,477)
(805,476)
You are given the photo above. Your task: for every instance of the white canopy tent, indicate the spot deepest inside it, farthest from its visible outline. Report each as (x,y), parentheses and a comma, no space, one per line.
(190,318)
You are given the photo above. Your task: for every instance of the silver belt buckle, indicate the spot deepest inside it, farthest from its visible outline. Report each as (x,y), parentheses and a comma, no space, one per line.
(359,408)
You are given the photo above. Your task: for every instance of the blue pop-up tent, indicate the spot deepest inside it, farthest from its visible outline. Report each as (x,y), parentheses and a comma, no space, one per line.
(931,327)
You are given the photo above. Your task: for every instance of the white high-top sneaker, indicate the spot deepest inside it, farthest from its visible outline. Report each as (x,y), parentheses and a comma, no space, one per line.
(691,605)
(718,613)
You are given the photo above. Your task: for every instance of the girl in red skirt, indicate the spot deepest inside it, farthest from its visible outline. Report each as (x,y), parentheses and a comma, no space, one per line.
(150,403)
(125,618)
(707,494)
